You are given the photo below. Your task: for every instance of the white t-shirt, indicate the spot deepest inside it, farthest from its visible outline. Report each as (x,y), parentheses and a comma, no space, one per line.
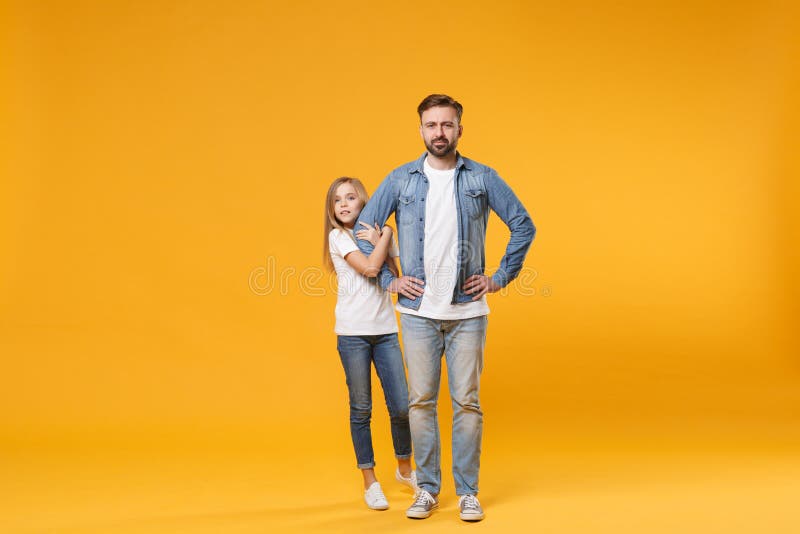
(362,307)
(441,253)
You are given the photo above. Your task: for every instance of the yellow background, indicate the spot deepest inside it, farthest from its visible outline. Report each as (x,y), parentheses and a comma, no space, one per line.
(164,166)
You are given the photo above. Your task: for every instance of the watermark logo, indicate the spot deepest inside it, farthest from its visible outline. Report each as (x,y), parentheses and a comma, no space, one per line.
(313,281)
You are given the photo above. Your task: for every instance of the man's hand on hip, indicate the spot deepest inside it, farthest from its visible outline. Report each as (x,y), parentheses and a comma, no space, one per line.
(407,286)
(478,285)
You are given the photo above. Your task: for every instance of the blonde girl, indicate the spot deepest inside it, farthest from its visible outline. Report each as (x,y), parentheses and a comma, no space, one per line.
(366,331)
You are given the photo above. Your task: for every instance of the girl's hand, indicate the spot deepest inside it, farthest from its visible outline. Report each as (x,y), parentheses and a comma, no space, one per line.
(370,233)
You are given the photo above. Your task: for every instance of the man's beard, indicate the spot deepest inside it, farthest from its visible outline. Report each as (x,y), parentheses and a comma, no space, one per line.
(441,152)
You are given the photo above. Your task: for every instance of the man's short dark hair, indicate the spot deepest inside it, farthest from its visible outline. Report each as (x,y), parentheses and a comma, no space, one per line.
(432,101)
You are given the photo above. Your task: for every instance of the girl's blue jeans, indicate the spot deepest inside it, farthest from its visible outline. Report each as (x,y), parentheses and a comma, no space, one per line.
(358,353)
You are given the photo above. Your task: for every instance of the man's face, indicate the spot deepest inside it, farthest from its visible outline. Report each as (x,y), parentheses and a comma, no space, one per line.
(440,130)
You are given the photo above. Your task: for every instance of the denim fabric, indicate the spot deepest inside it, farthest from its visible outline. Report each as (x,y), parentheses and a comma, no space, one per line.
(477,188)
(357,354)
(462,341)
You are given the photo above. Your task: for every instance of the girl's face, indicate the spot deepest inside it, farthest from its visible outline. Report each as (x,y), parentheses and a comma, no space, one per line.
(346,204)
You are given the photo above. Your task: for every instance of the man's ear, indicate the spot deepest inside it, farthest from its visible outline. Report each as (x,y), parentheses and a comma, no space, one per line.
(460,129)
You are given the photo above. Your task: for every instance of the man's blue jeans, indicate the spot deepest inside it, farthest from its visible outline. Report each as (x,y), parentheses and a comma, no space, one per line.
(357,354)
(462,342)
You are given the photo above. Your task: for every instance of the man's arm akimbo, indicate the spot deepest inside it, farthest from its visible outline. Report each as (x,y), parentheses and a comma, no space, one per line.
(508,207)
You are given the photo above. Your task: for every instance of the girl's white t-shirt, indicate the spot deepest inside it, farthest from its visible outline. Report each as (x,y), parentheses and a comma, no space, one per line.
(362,307)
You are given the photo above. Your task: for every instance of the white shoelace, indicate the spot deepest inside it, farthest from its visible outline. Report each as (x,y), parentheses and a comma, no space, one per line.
(375,493)
(423,498)
(469,502)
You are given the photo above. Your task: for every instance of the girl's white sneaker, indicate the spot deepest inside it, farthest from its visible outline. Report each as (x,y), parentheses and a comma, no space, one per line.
(411,481)
(375,498)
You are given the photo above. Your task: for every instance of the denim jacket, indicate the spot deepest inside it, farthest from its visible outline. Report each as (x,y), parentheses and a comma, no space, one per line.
(478,188)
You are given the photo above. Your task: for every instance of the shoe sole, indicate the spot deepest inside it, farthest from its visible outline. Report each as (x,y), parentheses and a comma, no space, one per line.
(421,515)
(407,483)
(471,517)
(380,508)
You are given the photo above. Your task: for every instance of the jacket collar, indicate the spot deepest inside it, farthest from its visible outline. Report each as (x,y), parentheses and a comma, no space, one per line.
(417,166)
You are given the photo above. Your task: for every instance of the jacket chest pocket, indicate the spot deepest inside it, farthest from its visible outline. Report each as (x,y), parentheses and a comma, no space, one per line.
(474,201)
(406,210)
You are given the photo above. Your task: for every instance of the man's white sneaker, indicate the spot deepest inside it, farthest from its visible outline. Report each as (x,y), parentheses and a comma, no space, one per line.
(411,481)
(424,505)
(375,498)
(470,509)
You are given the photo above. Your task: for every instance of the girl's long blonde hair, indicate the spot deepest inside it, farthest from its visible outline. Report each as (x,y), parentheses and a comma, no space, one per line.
(331,221)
